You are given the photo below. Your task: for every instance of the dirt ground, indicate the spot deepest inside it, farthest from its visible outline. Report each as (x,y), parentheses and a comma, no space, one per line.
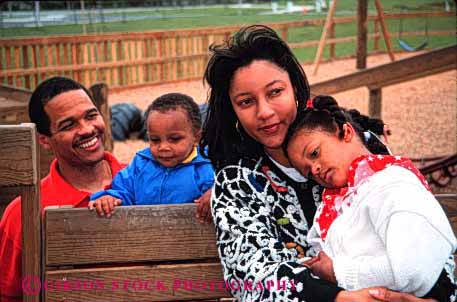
(422,114)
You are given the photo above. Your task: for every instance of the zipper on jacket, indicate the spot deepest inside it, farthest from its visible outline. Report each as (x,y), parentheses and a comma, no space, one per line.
(161,185)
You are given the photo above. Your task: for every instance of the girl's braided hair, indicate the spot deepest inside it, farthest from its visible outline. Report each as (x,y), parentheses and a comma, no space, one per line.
(323,113)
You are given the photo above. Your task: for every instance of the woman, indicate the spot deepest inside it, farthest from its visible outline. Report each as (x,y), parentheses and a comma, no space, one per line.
(261,206)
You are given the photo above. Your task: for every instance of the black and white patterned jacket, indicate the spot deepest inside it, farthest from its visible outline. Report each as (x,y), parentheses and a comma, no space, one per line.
(256,212)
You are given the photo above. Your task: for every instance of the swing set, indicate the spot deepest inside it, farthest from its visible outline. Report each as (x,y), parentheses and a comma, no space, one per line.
(405,45)
(380,13)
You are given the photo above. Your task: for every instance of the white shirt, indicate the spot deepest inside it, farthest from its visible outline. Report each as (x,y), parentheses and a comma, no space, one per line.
(394,234)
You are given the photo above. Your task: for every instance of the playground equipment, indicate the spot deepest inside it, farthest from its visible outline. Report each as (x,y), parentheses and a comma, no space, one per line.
(361,20)
(404,45)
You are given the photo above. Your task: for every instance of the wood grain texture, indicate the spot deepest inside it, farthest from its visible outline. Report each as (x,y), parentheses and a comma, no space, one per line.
(18,157)
(19,168)
(170,282)
(31,234)
(132,234)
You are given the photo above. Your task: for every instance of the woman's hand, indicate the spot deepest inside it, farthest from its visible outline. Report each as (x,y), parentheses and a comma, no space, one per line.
(383,294)
(377,294)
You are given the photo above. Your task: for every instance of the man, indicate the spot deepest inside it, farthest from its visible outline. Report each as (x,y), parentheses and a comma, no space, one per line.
(70,125)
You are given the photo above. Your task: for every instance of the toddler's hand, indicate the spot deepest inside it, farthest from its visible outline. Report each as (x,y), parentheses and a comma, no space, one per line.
(204,208)
(293,245)
(104,205)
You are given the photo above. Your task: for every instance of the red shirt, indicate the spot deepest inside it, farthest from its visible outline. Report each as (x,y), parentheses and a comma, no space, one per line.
(55,191)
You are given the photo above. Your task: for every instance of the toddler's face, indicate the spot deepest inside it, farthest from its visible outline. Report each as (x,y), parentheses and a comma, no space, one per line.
(171,136)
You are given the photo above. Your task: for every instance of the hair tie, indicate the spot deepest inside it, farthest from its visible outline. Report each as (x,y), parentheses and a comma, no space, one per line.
(367,135)
(309,103)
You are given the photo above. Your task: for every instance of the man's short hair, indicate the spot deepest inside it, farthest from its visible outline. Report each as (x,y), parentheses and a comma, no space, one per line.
(44,92)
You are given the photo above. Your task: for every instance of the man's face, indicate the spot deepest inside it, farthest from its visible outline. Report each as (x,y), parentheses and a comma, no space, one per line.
(77,129)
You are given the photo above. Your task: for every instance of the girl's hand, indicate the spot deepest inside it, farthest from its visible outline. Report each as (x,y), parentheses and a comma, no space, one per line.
(322,267)
(299,249)
(104,205)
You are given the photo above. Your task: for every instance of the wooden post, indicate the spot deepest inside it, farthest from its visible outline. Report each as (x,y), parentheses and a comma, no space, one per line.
(284,34)
(26,65)
(331,35)
(99,93)
(385,32)
(321,46)
(362,11)
(376,32)
(375,103)
(19,145)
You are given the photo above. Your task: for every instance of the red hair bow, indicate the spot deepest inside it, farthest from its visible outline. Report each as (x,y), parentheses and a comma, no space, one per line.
(309,103)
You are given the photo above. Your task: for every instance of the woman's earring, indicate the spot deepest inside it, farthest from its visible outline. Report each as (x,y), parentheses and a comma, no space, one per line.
(238,130)
(296,103)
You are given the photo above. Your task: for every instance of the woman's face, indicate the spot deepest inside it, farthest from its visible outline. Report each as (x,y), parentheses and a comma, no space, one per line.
(263,98)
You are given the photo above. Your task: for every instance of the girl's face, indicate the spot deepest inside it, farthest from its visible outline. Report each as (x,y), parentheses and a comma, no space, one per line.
(263,99)
(171,136)
(324,155)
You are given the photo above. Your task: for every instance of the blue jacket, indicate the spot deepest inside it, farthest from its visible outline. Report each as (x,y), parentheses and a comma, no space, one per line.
(146,182)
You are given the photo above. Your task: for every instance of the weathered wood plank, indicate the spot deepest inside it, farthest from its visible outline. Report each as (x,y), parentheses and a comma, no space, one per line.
(140,233)
(432,62)
(16,94)
(31,232)
(19,168)
(18,156)
(170,282)
(14,110)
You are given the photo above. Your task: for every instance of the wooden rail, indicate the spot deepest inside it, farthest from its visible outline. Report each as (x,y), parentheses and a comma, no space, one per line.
(392,73)
(143,58)
(375,78)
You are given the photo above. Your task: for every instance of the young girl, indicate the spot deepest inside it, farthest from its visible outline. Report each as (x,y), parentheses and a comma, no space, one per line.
(172,170)
(378,223)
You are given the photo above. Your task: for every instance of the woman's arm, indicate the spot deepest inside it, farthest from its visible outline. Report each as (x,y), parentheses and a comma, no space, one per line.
(256,263)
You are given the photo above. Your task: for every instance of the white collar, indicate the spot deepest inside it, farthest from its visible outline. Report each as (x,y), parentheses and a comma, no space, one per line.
(289,171)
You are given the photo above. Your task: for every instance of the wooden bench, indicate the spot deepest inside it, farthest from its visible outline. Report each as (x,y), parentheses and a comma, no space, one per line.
(19,170)
(141,253)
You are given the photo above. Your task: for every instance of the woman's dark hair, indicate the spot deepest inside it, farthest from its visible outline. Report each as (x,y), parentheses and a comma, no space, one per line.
(173,101)
(327,116)
(44,93)
(225,144)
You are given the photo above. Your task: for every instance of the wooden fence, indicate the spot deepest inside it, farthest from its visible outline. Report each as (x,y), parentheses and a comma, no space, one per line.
(126,60)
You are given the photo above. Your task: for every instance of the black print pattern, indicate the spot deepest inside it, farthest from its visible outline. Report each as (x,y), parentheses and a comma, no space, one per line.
(254,222)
